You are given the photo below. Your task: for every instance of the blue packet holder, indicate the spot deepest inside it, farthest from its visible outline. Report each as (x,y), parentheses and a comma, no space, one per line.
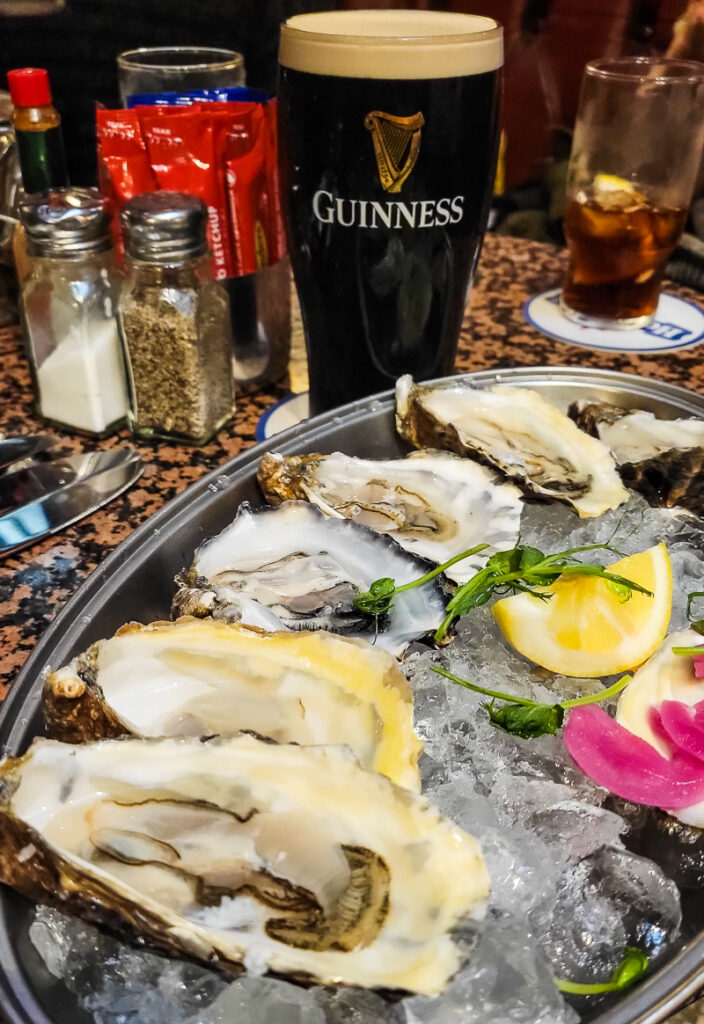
(241,93)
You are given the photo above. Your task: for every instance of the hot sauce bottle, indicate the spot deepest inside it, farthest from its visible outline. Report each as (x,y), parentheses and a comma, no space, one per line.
(37,125)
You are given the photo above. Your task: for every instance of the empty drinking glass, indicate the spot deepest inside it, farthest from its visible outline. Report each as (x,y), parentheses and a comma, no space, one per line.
(177,69)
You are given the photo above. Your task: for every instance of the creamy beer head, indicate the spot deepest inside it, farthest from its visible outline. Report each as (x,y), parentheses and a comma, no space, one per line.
(391,44)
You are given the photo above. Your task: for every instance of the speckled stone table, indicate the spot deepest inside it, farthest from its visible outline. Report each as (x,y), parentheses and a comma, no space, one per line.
(36,582)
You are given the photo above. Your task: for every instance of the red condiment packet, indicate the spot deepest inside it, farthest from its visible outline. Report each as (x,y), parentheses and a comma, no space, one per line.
(226,119)
(248,190)
(241,134)
(223,152)
(124,169)
(277,233)
(180,144)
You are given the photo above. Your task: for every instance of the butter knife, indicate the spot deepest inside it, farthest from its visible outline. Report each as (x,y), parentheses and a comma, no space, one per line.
(17,449)
(60,508)
(20,486)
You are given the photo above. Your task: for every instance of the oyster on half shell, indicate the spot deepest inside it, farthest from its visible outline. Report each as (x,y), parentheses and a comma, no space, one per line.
(199,677)
(661,459)
(517,431)
(306,569)
(237,852)
(434,504)
(664,676)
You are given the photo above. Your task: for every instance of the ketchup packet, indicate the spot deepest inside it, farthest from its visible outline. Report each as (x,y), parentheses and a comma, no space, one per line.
(248,191)
(278,246)
(181,150)
(124,169)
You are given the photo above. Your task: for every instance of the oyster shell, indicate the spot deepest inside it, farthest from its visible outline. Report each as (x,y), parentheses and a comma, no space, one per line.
(238,852)
(307,568)
(517,431)
(667,676)
(199,677)
(664,676)
(434,504)
(661,459)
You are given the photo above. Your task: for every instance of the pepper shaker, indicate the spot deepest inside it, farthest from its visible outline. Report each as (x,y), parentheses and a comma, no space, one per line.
(68,307)
(174,320)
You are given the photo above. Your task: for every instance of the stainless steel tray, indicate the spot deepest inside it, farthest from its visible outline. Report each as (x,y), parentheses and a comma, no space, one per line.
(135,582)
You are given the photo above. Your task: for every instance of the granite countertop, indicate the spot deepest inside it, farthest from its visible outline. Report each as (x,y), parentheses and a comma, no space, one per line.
(35,583)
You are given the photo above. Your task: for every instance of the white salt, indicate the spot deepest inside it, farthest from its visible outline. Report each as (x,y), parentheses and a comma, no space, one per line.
(82,382)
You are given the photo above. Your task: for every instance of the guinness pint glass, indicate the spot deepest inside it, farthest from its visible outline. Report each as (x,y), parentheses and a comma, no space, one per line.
(388,139)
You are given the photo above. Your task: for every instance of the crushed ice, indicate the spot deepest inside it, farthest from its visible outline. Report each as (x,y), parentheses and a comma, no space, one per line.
(566,894)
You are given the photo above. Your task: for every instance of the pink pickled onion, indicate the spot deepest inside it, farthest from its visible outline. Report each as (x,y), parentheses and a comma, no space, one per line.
(624,763)
(655,722)
(698,663)
(684,725)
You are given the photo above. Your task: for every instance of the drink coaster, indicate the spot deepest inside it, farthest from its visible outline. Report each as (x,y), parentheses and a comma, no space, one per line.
(286,413)
(678,324)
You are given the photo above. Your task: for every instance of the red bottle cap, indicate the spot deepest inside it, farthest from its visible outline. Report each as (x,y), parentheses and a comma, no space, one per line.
(29,87)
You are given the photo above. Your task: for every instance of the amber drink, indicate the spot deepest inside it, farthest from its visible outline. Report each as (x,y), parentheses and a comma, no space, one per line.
(636,150)
(619,244)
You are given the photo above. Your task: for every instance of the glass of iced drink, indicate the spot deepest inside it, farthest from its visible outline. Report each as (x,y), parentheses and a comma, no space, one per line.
(635,156)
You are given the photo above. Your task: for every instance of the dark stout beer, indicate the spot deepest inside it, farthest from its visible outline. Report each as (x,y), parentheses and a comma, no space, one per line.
(388,150)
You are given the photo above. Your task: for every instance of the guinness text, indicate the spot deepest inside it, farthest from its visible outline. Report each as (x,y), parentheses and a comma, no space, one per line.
(368,213)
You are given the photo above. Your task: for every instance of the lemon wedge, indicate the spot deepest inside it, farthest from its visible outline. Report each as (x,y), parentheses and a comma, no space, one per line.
(587,628)
(612,183)
(611,191)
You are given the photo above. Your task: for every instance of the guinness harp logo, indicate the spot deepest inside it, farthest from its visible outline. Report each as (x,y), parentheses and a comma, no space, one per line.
(396,144)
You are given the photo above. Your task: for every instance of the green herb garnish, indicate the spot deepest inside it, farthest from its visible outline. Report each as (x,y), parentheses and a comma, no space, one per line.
(631,969)
(379,598)
(523,569)
(526,718)
(696,624)
(527,722)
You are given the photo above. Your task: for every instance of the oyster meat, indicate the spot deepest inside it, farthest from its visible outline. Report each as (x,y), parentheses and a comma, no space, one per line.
(306,569)
(516,430)
(434,504)
(239,852)
(200,677)
(661,459)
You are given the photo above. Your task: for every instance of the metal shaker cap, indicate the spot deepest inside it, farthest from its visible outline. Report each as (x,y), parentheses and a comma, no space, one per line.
(165,227)
(66,222)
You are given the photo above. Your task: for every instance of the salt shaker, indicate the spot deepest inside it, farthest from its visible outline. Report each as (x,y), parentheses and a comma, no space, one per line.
(175,321)
(69,306)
